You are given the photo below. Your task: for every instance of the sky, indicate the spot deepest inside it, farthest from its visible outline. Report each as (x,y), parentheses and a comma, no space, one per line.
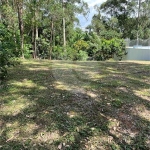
(91,3)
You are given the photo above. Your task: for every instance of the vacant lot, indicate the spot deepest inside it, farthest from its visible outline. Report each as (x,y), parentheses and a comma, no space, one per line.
(76,106)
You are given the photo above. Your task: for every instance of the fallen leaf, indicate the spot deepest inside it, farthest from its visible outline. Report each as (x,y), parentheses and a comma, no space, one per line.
(60,146)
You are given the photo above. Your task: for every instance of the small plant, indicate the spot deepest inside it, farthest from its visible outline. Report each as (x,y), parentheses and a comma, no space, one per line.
(117,103)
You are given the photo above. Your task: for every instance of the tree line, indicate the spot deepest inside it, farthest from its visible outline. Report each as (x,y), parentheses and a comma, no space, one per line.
(46,29)
(123,19)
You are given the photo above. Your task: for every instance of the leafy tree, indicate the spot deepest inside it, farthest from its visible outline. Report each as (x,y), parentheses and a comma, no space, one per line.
(132,16)
(19,5)
(104,27)
(9,37)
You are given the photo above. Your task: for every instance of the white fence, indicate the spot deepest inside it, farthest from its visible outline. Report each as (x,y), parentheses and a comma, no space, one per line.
(137,50)
(137,54)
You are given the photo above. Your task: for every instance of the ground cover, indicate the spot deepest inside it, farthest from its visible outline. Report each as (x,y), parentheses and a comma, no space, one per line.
(76,106)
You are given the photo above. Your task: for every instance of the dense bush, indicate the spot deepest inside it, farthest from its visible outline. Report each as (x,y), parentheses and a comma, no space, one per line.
(80,45)
(58,53)
(7,50)
(27,51)
(93,47)
(109,48)
(43,47)
(110,34)
(82,55)
(76,51)
(80,50)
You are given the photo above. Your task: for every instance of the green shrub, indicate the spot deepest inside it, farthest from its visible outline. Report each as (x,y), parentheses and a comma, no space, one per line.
(43,47)
(73,54)
(28,51)
(7,51)
(82,55)
(109,48)
(7,59)
(58,53)
(80,45)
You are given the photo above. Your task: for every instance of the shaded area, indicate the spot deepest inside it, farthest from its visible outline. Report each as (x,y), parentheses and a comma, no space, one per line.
(76,105)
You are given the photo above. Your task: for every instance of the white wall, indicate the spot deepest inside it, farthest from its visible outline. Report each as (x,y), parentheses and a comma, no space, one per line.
(137,54)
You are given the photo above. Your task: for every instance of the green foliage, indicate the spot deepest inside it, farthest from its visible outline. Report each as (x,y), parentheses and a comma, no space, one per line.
(109,34)
(27,51)
(73,54)
(58,53)
(43,46)
(117,103)
(80,45)
(109,48)
(82,55)
(118,47)
(7,50)
(127,17)
(94,43)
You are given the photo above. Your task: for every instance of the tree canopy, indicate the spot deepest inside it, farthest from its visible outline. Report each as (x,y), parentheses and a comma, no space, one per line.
(130,18)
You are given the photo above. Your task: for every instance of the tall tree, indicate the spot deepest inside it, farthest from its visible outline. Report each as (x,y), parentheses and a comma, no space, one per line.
(64,25)
(19,4)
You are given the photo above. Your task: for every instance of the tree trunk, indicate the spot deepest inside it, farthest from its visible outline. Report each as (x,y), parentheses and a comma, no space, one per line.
(14,34)
(21,27)
(138,17)
(51,40)
(36,38)
(64,32)
(33,42)
(64,26)
(35,45)
(35,33)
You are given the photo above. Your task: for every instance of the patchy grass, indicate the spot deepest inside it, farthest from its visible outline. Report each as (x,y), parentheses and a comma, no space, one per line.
(76,106)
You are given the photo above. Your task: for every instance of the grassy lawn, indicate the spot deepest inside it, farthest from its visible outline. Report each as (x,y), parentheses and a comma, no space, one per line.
(76,106)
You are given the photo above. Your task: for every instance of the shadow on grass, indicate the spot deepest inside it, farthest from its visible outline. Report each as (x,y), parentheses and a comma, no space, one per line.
(105,113)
